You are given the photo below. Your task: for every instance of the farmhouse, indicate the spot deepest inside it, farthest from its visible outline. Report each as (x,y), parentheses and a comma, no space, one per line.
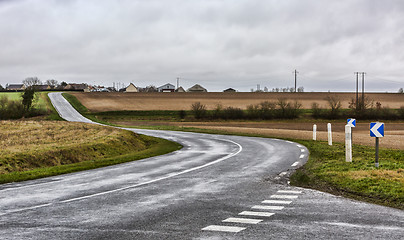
(180,89)
(132,88)
(230,90)
(166,88)
(76,86)
(197,88)
(43,87)
(15,87)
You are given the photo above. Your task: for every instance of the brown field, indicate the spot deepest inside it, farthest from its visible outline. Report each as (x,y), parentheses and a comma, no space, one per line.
(99,102)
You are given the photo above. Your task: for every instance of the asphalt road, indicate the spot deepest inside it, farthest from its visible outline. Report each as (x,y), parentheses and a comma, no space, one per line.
(216,187)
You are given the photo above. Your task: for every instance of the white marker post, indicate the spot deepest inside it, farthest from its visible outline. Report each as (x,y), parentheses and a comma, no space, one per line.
(329,134)
(351,122)
(314,132)
(348,143)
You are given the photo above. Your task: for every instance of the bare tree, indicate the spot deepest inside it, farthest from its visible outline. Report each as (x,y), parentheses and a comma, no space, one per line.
(31,81)
(52,82)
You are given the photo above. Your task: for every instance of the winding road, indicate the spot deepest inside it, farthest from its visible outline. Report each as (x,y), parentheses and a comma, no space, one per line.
(215,187)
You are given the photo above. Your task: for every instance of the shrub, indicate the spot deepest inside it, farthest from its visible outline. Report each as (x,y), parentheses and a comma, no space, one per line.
(400,112)
(233,113)
(253,111)
(10,109)
(199,110)
(182,114)
(288,110)
(217,113)
(317,112)
(335,107)
(267,110)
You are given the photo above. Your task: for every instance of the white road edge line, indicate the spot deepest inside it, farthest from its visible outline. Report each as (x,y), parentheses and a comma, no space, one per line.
(295,164)
(283,173)
(301,156)
(223,228)
(26,209)
(243,220)
(302,150)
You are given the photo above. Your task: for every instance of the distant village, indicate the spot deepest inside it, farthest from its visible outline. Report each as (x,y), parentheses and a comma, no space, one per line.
(54,86)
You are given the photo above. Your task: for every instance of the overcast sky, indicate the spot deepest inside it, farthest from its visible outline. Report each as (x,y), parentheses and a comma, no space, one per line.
(215,43)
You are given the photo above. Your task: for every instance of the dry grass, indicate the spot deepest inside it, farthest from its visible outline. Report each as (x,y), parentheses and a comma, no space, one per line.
(100,102)
(28,145)
(394,175)
(23,136)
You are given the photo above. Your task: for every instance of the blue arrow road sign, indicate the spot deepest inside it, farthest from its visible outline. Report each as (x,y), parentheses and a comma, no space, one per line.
(351,122)
(377,129)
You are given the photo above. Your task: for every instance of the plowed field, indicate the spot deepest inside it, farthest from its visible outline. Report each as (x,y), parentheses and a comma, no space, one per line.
(100,102)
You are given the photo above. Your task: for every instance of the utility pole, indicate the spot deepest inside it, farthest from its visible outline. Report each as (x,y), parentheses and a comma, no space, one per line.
(295,72)
(363,90)
(357,93)
(362,104)
(178,82)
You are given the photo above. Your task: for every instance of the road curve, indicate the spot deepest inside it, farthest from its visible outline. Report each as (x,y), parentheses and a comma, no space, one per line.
(215,187)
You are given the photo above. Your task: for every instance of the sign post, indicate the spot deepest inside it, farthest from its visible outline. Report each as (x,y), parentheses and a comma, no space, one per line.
(351,122)
(377,131)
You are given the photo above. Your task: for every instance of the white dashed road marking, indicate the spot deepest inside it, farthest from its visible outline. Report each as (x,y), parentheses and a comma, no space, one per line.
(243,220)
(268,207)
(301,156)
(284,196)
(223,228)
(259,214)
(302,150)
(289,191)
(276,202)
(295,164)
(282,173)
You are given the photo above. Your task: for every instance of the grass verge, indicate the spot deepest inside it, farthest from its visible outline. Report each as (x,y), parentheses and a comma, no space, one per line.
(36,149)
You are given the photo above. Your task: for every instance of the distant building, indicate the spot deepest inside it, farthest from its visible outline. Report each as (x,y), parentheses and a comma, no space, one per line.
(15,87)
(43,87)
(230,90)
(197,88)
(166,88)
(180,89)
(76,86)
(132,88)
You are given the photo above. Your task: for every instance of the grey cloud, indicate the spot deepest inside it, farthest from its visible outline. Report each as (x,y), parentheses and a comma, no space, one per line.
(218,44)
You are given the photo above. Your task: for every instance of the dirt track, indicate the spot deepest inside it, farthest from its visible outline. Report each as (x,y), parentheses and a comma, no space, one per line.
(99,102)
